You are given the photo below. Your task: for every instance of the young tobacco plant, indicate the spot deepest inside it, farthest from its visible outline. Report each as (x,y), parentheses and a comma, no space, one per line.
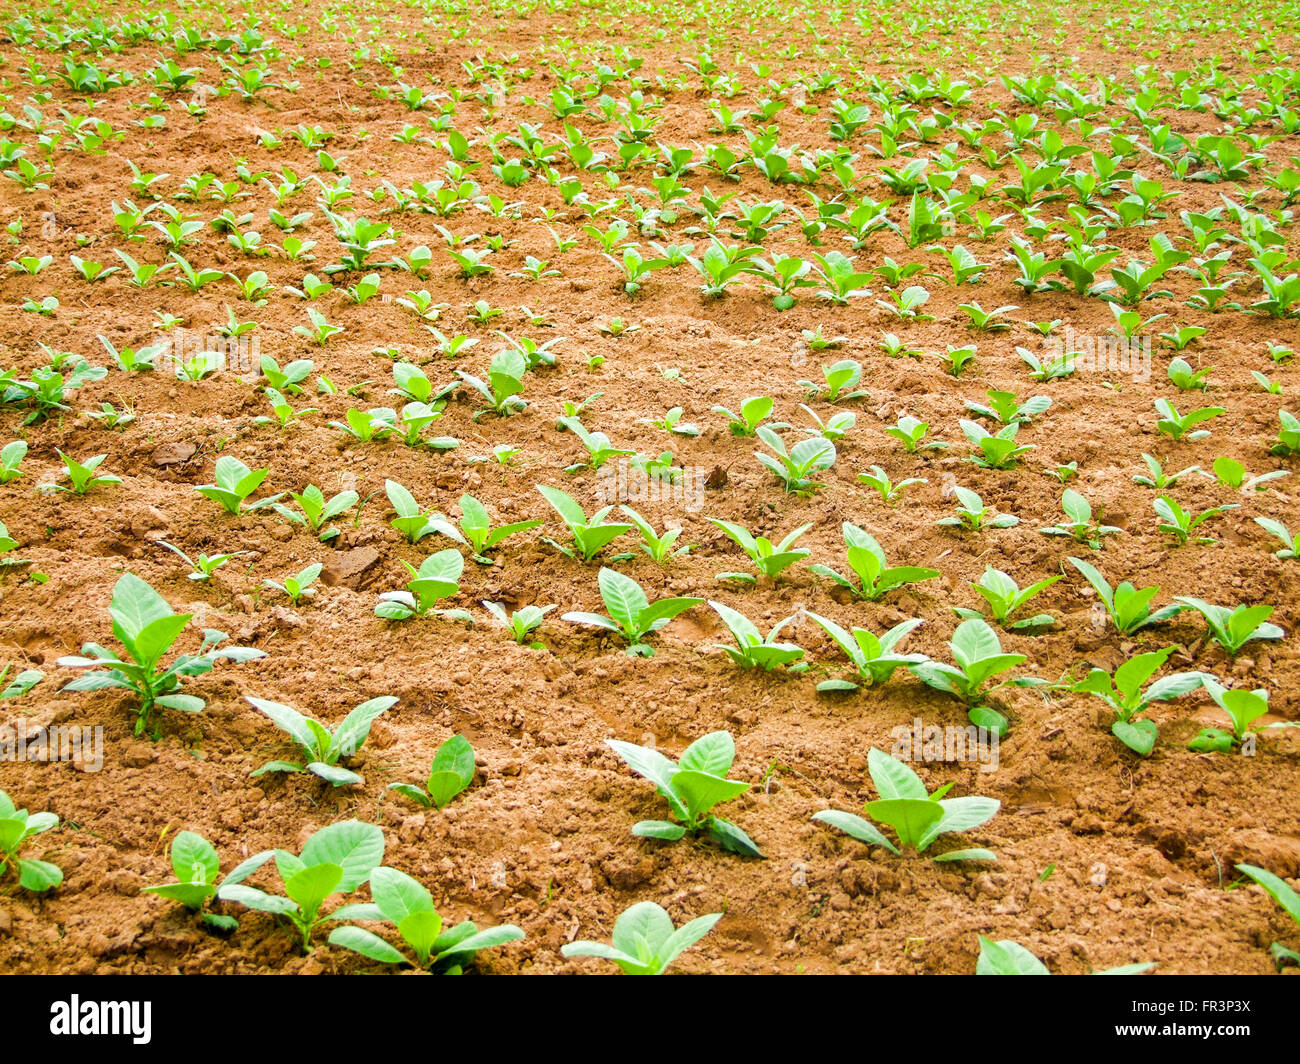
(1124,694)
(644,940)
(146,627)
(874,657)
(974,516)
(658,547)
(631,614)
(795,467)
(1233,628)
(591,534)
(769,559)
(235,482)
(17,826)
(1005,597)
(205,565)
(917,816)
(317,511)
(197,867)
(1243,709)
(693,785)
(404,903)
(994,450)
(1127,606)
(322,748)
(337,859)
(978,658)
(437,578)
(752,649)
(867,562)
(1179,523)
(522,623)
(476,531)
(451,771)
(298,586)
(1079,524)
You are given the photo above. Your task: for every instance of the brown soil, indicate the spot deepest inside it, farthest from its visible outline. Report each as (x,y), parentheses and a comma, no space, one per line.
(1141,848)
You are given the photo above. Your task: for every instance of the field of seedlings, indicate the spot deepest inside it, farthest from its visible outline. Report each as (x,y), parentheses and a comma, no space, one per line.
(551,486)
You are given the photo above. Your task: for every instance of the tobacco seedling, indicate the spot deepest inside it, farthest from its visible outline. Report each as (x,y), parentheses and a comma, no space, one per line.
(977,653)
(476,531)
(322,747)
(1288,436)
(317,510)
(298,586)
(599,448)
(658,547)
(82,474)
(521,623)
(1180,523)
(1179,426)
(336,860)
(872,656)
(1277,889)
(1234,628)
(205,565)
(408,906)
(437,578)
(450,773)
(235,482)
(504,385)
(770,560)
(1078,524)
(16,827)
(1243,709)
(1127,606)
(692,786)
(889,492)
(197,866)
(1003,407)
(910,431)
(11,457)
(994,451)
(841,375)
(631,614)
(1123,693)
(591,534)
(1159,479)
(1005,597)
(411,521)
(1232,474)
(974,516)
(917,816)
(752,649)
(795,467)
(644,940)
(146,627)
(867,562)
(1283,535)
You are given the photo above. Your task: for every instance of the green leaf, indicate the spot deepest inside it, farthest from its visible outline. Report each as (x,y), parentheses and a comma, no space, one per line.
(893,779)
(38,876)
(1007,958)
(355,847)
(367,943)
